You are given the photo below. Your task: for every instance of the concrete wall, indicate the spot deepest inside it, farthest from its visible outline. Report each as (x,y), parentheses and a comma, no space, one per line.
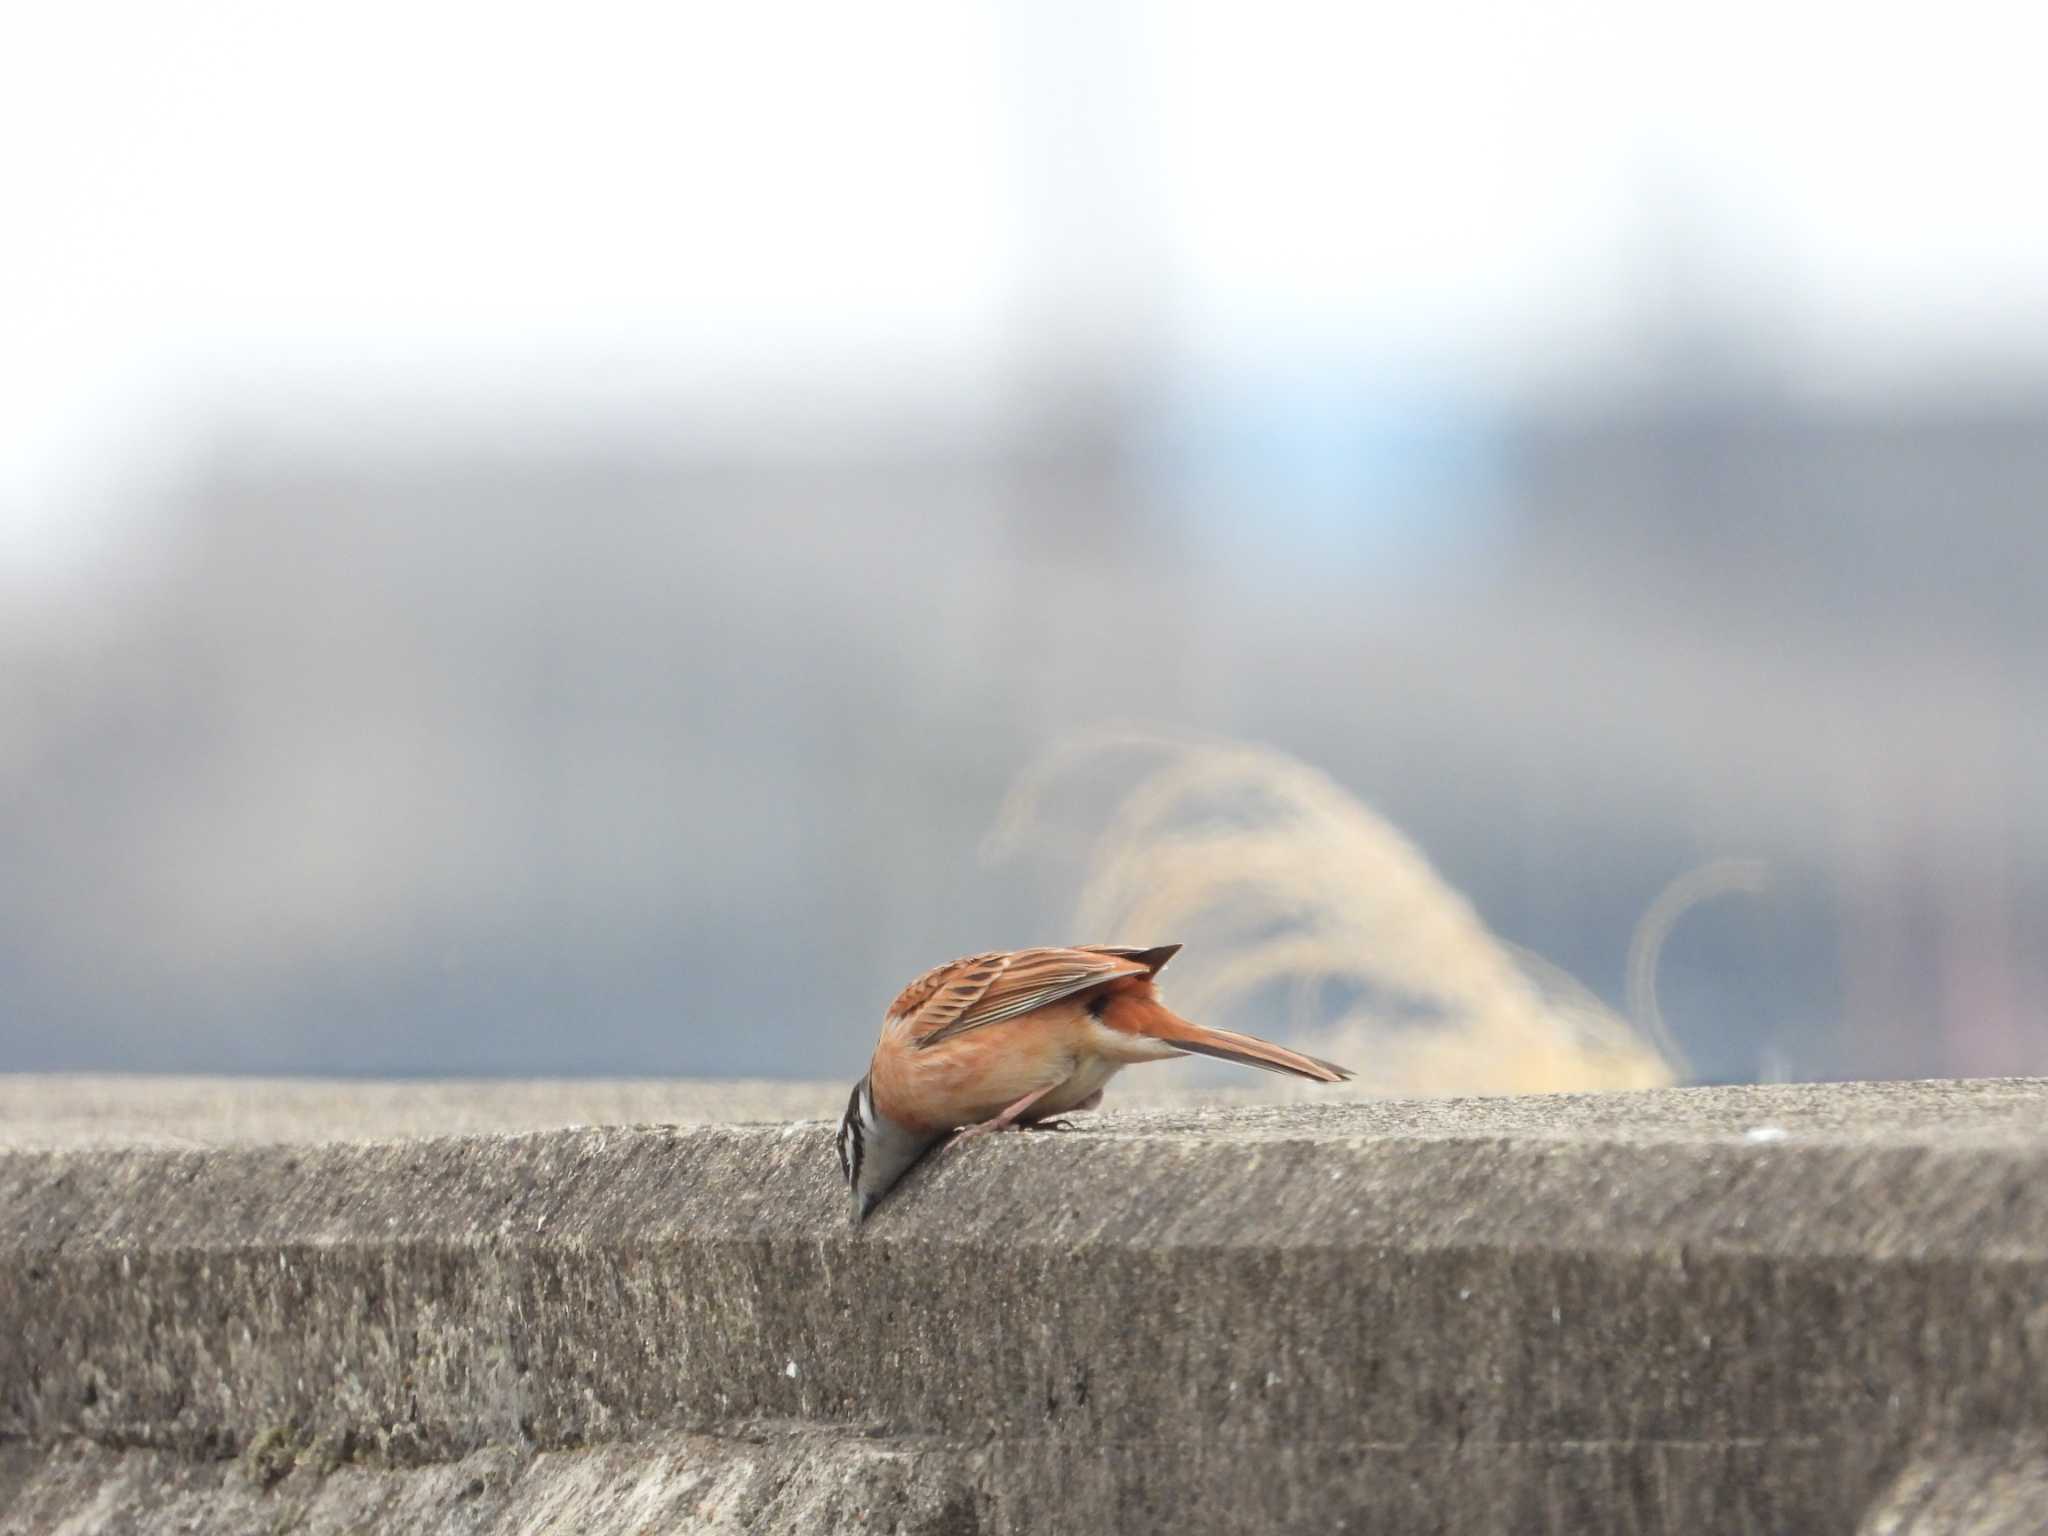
(1787,1309)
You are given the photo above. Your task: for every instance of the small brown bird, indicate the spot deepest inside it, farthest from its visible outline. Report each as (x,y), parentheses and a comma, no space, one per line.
(1019,1038)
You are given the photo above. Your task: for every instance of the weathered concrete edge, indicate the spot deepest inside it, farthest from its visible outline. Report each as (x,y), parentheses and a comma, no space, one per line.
(59,1111)
(1196,1299)
(1271,1179)
(729,1246)
(785,1478)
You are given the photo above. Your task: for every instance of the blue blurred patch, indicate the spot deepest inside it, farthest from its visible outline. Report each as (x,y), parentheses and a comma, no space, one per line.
(1320,468)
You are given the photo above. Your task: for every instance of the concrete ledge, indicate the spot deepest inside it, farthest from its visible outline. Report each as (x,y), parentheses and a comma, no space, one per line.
(60,1110)
(1812,1309)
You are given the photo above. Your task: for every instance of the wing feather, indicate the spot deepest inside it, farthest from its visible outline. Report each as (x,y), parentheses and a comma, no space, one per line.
(986,989)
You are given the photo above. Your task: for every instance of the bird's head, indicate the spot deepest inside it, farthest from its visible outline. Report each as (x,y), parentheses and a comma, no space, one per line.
(874,1151)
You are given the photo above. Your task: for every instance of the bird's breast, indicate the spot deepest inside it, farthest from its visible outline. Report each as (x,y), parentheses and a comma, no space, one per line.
(976,1075)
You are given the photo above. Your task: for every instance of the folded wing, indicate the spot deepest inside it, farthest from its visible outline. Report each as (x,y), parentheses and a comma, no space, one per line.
(986,989)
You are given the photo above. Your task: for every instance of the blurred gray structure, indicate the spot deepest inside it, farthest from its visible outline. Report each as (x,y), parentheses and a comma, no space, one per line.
(660,754)
(575,583)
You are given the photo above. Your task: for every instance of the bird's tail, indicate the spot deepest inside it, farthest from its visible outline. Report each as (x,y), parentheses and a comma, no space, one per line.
(1162,1023)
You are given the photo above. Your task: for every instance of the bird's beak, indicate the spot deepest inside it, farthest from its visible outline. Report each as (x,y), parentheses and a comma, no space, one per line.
(862,1204)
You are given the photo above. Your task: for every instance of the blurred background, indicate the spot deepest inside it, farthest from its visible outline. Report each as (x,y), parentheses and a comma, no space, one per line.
(538,540)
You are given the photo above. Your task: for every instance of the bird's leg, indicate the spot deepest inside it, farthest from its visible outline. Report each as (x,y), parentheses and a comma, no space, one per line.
(1061,1122)
(1007,1118)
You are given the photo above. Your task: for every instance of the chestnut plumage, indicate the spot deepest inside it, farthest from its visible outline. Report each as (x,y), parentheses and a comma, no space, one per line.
(1017,1037)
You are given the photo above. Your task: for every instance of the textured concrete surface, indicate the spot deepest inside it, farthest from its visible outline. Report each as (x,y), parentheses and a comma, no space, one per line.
(112,1110)
(1782,1309)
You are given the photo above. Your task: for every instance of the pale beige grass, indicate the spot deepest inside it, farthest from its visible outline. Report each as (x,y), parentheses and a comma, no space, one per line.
(1283,882)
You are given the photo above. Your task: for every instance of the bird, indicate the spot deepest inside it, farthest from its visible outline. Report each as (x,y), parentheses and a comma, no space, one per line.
(1020,1038)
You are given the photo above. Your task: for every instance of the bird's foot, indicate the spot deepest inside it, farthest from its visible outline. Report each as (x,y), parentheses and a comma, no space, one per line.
(1006,1119)
(981,1128)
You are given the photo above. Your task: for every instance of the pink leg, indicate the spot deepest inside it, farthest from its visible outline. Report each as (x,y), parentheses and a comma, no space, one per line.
(1007,1118)
(1061,1122)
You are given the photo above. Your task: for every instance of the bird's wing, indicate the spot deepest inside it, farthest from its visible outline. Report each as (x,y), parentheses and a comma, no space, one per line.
(1153,959)
(986,989)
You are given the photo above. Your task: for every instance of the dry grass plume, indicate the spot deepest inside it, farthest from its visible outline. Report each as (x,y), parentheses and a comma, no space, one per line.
(1289,887)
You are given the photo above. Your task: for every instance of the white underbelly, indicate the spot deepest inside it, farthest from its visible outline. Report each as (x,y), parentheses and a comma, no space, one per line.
(1087,1081)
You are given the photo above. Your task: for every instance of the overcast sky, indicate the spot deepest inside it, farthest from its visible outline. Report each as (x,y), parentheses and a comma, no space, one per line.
(216,204)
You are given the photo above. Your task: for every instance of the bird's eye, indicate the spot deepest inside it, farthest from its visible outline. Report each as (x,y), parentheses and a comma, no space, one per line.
(850,1133)
(849,1150)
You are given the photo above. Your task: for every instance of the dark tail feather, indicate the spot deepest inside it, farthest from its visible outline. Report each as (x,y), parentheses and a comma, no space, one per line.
(1153,959)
